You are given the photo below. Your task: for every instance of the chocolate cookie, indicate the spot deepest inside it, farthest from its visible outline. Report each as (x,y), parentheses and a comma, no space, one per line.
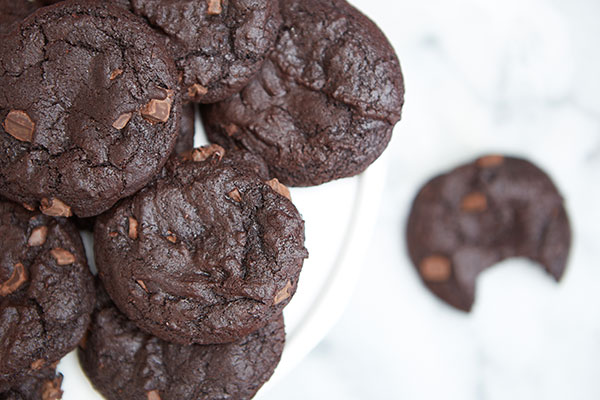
(46,290)
(479,214)
(126,363)
(324,104)
(217,45)
(206,254)
(44,384)
(185,140)
(89,112)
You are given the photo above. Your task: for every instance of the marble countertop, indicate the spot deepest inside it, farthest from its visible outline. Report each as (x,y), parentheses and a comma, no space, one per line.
(518,77)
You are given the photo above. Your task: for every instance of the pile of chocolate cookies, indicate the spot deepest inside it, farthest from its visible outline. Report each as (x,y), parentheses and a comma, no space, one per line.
(198,250)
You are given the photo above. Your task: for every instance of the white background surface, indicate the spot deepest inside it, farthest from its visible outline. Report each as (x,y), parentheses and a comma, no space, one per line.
(513,76)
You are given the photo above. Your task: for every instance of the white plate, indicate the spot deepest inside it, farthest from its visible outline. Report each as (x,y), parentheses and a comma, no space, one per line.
(340,217)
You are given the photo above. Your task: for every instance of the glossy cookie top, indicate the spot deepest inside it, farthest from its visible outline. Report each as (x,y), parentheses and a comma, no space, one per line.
(324,104)
(89,112)
(218,45)
(207,254)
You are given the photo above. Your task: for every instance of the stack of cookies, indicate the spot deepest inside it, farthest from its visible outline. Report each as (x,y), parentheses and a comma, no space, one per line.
(198,251)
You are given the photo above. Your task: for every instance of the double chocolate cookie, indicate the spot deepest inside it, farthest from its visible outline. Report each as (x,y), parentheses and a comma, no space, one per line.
(89,112)
(479,214)
(206,254)
(325,102)
(126,363)
(217,45)
(46,291)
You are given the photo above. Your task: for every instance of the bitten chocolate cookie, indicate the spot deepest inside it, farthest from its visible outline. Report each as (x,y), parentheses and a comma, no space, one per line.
(217,45)
(207,254)
(479,214)
(89,112)
(185,140)
(44,384)
(324,104)
(126,363)
(46,290)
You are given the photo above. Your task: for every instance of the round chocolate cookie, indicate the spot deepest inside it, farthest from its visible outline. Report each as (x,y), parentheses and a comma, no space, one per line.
(46,290)
(89,112)
(479,214)
(206,254)
(44,384)
(126,363)
(324,104)
(185,140)
(217,45)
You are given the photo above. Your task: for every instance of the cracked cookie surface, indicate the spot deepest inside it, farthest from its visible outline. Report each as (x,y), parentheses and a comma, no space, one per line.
(217,45)
(206,254)
(88,110)
(117,351)
(479,214)
(324,103)
(46,290)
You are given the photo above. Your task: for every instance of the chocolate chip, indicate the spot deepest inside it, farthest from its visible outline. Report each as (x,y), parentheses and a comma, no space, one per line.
(235,195)
(142,284)
(133,228)
(435,268)
(18,124)
(214,7)
(204,153)
(171,237)
(158,110)
(38,236)
(17,278)
(153,395)
(55,208)
(115,74)
(283,293)
(62,256)
(197,90)
(122,121)
(474,202)
(279,188)
(51,389)
(37,364)
(493,160)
